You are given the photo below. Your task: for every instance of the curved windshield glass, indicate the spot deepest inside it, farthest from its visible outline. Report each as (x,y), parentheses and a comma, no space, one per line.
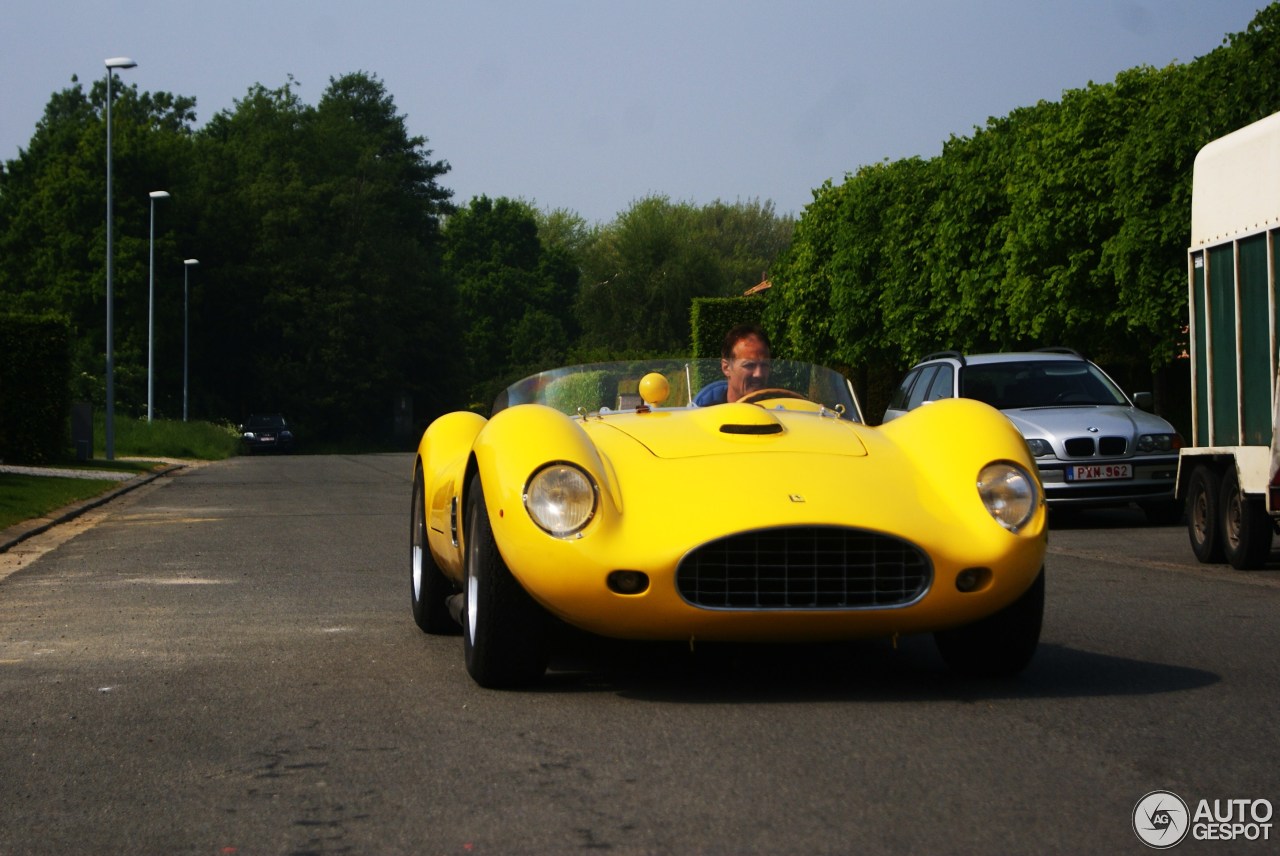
(614,387)
(1034,383)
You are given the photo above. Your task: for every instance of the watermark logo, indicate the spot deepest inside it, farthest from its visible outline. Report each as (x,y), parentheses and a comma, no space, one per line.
(1161,819)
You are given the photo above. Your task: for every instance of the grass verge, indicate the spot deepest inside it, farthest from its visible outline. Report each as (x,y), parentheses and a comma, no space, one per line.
(166,438)
(24,497)
(27,497)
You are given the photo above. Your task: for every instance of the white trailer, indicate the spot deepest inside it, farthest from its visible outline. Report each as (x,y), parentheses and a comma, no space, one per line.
(1228,474)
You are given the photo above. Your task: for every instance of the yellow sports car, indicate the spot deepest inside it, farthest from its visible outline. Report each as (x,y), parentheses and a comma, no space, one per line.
(604,497)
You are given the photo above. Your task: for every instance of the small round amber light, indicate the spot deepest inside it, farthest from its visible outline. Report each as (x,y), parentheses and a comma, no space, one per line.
(628,582)
(972,579)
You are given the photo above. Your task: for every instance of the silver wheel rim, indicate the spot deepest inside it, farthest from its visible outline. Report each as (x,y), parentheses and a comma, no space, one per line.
(473,581)
(417,572)
(417,550)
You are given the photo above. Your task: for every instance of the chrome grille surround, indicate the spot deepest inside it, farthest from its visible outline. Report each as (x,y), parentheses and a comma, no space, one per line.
(805,567)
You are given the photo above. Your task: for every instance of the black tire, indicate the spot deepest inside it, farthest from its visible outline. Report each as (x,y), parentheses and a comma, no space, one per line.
(428,586)
(1246,527)
(1000,645)
(505,633)
(1204,522)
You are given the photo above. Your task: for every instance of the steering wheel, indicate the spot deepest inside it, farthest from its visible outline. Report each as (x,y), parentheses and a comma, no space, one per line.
(772,392)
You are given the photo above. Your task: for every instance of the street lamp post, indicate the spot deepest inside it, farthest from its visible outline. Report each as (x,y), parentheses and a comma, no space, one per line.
(112,64)
(151,306)
(187,264)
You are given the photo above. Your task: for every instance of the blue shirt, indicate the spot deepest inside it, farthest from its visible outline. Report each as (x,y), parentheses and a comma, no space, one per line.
(716,392)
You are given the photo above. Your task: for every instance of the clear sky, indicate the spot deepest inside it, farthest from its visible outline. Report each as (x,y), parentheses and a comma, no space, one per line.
(590,105)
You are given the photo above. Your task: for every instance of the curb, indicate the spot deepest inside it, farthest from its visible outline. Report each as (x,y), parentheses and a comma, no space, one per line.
(20,532)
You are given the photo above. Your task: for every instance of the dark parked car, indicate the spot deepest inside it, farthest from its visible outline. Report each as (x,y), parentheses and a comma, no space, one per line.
(266,432)
(1093,445)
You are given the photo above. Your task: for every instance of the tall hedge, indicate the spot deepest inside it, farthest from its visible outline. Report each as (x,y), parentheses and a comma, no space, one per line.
(711,318)
(35,404)
(1062,223)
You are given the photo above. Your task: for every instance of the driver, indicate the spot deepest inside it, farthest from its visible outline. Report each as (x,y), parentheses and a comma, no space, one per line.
(745,360)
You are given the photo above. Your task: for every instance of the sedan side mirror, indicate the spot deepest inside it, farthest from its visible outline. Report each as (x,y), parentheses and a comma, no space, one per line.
(1144,401)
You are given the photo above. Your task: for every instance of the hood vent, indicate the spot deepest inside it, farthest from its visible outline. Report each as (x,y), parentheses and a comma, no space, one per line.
(774,428)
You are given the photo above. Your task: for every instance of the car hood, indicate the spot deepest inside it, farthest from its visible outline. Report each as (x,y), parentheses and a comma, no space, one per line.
(733,429)
(1083,420)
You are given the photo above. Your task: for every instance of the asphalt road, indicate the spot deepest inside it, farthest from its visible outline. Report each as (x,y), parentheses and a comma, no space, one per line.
(224,662)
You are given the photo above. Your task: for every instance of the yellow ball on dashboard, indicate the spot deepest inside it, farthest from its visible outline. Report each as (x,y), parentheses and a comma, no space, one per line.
(654,388)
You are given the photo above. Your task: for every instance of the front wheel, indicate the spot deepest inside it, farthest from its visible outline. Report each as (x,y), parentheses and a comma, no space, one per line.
(428,586)
(505,632)
(1000,645)
(1246,527)
(1203,518)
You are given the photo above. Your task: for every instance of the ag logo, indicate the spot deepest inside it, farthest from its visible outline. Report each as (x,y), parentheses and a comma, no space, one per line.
(1161,819)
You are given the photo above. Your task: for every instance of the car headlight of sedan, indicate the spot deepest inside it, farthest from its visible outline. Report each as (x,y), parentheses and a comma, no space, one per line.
(1159,442)
(1009,494)
(561,499)
(1039,448)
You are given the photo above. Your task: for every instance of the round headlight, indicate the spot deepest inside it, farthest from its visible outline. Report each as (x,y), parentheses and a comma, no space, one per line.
(1008,493)
(561,499)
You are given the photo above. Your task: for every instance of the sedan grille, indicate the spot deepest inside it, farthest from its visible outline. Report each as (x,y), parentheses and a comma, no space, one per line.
(1084,447)
(1112,445)
(1079,447)
(811,567)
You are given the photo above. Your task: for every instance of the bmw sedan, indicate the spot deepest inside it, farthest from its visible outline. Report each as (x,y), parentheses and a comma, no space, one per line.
(1093,445)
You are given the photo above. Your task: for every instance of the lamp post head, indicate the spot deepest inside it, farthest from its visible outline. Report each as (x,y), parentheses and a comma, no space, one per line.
(191,261)
(159,194)
(119,62)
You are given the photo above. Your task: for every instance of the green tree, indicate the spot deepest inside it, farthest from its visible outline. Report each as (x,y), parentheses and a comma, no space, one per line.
(745,238)
(515,293)
(642,272)
(324,224)
(53,228)
(563,229)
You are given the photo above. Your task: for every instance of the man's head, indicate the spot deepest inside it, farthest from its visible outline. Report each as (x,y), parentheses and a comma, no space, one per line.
(744,359)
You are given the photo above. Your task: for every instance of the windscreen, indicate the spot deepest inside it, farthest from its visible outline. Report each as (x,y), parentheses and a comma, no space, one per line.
(613,387)
(1013,385)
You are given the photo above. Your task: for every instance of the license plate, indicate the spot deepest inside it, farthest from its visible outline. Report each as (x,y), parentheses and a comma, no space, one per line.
(1099,472)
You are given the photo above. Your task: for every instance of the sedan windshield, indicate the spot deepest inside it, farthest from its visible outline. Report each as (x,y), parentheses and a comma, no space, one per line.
(1013,385)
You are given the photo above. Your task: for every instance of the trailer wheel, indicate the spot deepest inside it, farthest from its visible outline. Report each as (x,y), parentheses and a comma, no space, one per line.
(1246,527)
(1203,519)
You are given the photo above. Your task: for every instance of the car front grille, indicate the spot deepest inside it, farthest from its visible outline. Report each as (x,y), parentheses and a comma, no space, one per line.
(809,567)
(1085,447)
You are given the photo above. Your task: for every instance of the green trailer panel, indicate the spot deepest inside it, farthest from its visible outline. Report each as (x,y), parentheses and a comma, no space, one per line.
(1255,342)
(1223,401)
